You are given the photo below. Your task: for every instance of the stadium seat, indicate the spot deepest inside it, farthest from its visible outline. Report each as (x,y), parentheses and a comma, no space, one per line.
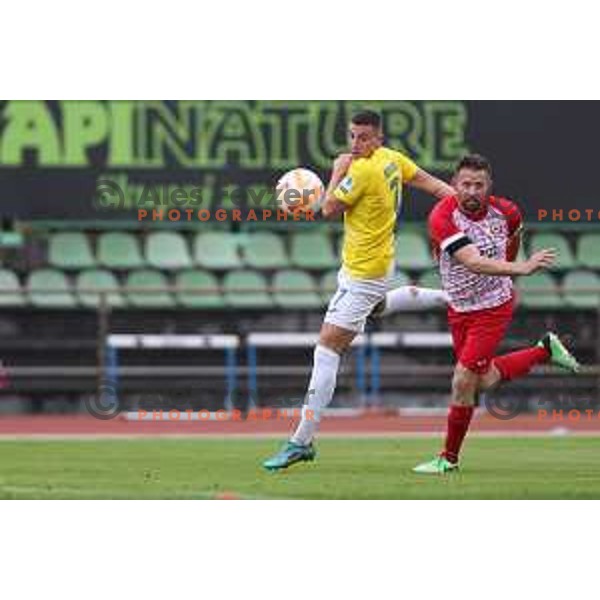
(313,251)
(235,282)
(199,281)
(328,284)
(70,251)
(98,279)
(412,251)
(12,294)
(167,250)
(302,287)
(539,290)
(576,289)
(588,250)
(265,250)
(119,250)
(50,288)
(217,250)
(539,241)
(150,299)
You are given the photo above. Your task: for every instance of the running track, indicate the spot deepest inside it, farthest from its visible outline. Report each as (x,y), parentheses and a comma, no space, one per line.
(369,425)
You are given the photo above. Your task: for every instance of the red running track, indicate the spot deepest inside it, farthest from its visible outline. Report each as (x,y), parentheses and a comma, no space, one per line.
(366,425)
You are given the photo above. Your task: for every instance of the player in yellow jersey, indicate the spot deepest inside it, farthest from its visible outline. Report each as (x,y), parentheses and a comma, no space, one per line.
(366,187)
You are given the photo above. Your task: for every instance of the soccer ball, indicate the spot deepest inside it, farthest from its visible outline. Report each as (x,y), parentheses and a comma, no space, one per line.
(299,190)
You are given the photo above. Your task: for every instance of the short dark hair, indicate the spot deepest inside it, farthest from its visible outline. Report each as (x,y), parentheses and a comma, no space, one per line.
(475,162)
(367,117)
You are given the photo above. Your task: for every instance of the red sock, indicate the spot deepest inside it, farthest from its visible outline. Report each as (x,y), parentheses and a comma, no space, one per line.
(459,418)
(517,364)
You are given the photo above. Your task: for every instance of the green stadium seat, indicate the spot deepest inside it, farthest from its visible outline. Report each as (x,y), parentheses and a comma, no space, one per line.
(150,299)
(50,288)
(412,251)
(578,289)
(547,295)
(313,251)
(265,250)
(199,281)
(217,250)
(98,279)
(588,250)
(431,279)
(11,239)
(304,292)
(235,282)
(70,251)
(11,295)
(328,284)
(539,241)
(119,250)
(167,250)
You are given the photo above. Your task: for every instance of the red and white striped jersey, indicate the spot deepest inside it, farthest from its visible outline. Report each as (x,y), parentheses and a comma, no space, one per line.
(451,229)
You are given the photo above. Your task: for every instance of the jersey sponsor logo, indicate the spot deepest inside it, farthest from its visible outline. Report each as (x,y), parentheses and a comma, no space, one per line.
(496,229)
(346,185)
(389,170)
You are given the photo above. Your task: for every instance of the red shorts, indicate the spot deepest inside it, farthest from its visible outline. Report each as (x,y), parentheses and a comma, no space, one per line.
(477,334)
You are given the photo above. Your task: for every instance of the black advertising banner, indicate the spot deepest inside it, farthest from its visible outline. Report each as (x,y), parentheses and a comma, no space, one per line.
(65,159)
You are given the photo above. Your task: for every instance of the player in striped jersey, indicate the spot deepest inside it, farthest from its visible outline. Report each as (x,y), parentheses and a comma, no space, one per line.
(476,240)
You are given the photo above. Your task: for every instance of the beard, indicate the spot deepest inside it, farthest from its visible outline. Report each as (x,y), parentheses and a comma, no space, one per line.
(472,204)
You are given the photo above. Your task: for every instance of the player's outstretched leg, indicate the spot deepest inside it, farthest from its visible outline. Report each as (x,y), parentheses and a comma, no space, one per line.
(410,297)
(320,392)
(466,384)
(514,365)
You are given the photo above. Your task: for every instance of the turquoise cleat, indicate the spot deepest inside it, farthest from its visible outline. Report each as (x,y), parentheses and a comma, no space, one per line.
(438,466)
(290,454)
(559,355)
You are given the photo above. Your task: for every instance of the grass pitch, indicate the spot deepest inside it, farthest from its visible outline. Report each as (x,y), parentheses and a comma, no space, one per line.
(566,467)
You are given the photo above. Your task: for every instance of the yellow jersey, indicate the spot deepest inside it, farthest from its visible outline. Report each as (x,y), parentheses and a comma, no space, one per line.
(372,189)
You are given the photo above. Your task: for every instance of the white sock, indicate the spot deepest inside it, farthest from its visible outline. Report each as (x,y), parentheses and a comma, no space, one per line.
(320,393)
(410,297)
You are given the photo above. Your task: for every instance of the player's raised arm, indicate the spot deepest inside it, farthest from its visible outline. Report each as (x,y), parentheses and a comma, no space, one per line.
(471,258)
(332,205)
(430,184)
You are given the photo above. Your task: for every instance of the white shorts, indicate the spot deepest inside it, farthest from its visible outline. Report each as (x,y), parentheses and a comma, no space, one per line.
(354,300)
